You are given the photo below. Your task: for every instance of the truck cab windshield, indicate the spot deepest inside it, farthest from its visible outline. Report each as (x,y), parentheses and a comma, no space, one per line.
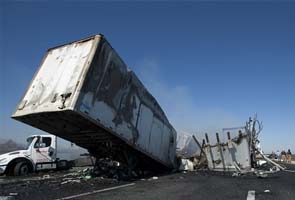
(29,142)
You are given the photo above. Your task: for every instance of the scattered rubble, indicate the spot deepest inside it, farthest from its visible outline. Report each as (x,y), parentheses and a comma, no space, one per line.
(7,198)
(34,185)
(104,168)
(153,178)
(186,165)
(71,181)
(10,196)
(46,176)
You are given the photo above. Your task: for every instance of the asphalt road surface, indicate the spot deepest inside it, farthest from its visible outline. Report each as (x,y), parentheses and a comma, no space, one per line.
(206,186)
(183,186)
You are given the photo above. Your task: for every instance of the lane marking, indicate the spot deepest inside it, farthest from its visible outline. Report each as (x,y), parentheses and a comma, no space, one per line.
(96,191)
(287,170)
(251,195)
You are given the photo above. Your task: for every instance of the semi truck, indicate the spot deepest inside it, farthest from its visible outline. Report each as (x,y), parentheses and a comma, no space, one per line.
(40,153)
(83,92)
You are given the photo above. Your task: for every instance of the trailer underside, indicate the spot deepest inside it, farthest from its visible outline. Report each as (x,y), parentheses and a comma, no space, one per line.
(100,143)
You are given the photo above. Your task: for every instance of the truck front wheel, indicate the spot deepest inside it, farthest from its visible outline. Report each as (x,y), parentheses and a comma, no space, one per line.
(21,168)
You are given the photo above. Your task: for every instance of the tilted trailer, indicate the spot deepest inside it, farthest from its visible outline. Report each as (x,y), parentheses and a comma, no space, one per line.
(84,92)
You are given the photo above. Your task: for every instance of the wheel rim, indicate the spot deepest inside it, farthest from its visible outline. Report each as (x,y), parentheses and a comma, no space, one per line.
(24,170)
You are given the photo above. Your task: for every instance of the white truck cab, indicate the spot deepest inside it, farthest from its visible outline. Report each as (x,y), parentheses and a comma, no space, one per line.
(39,154)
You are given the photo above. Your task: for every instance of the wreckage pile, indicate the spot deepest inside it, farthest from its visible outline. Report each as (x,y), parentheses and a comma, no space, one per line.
(108,168)
(111,169)
(239,155)
(190,153)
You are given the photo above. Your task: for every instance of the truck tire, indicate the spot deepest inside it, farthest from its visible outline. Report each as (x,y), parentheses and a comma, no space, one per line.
(21,168)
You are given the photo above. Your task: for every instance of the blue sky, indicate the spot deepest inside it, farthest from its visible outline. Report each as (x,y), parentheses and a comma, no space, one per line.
(210,65)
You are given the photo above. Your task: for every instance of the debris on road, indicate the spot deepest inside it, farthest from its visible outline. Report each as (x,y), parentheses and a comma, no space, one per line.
(7,198)
(31,186)
(104,168)
(154,178)
(46,176)
(87,177)
(186,165)
(71,181)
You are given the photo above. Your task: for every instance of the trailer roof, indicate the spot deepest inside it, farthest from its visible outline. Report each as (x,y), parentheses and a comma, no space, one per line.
(77,41)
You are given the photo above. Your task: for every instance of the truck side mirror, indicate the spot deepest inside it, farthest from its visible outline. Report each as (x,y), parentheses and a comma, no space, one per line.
(40,145)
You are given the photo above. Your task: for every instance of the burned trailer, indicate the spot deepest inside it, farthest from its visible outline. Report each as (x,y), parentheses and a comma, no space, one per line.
(84,92)
(229,156)
(241,153)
